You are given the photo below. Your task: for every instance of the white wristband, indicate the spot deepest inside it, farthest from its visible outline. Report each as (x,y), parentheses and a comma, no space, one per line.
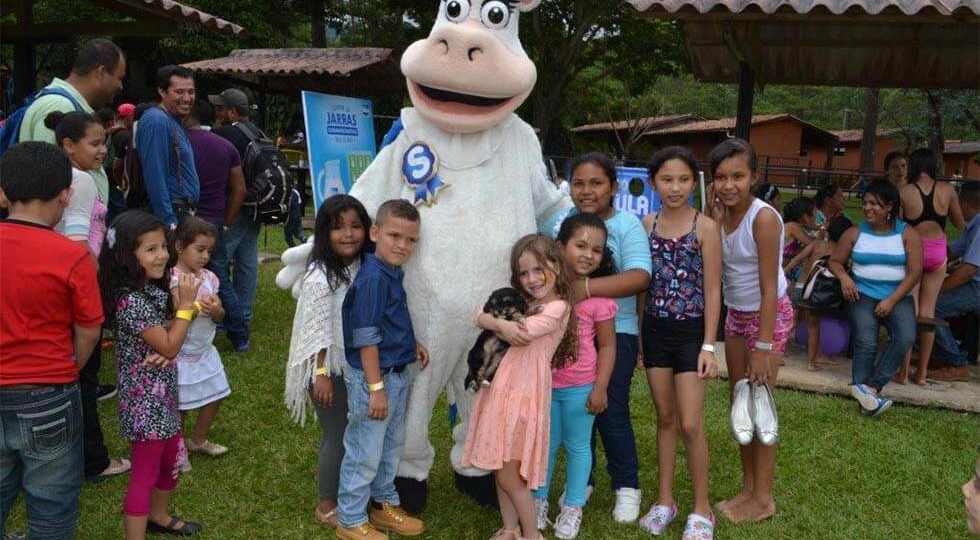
(763,346)
(708,347)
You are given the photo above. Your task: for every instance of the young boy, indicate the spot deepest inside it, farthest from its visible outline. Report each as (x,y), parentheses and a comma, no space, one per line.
(50,317)
(380,343)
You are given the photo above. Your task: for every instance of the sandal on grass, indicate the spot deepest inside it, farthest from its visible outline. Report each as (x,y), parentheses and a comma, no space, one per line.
(329,519)
(116,466)
(189,528)
(206,447)
(699,527)
(506,534)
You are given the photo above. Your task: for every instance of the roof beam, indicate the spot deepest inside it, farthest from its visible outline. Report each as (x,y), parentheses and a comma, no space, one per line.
(66,31)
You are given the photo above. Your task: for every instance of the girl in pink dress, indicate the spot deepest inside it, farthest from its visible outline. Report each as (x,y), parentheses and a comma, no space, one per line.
(509,426)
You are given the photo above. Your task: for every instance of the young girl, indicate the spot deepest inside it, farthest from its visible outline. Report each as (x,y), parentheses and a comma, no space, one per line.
(509,425)
(593,188)
(579,389)
(316,349)
(82,137)
(798,218)
(760,314)
(769,194)
(201,378)
(132,278)
(679,326)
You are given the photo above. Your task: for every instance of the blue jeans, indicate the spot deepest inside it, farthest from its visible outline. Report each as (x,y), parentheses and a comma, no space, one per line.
(900,324)
(614,425)
(242,245)
(571,427)
(234,321)
(372,448)
(963,299)
(41,454)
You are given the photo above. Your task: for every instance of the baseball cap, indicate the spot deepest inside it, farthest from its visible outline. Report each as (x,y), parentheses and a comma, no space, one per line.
(126,109)
(231,97)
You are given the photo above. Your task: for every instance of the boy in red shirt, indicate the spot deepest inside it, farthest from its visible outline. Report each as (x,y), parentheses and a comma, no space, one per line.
(50,316)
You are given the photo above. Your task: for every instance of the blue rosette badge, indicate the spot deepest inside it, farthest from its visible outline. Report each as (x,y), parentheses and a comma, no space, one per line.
(420,166)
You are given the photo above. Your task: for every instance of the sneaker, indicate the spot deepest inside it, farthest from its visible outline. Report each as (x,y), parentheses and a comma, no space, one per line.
(865,396)
(395,519)
(588,495)
(658,518)
(741,416)
(883,405)
(244,346)
(568,523)
(105,391)
(627,507)
(699,527)
(364,531)
(541,512)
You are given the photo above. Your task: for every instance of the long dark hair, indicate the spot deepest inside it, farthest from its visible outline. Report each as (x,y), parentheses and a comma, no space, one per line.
(573,223)
(922,161)
(546,251)
(71,126)
(120,271)
(886,193)
(730,148)
(797,208)
(328,219)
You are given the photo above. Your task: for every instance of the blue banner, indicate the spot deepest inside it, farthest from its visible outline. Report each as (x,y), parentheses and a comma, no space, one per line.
(339,141)
(635,194)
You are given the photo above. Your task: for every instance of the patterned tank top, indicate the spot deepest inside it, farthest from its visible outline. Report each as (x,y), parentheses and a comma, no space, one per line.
(677,286)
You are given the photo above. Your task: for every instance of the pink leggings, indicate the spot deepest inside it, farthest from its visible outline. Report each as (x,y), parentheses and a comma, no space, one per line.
(156,465)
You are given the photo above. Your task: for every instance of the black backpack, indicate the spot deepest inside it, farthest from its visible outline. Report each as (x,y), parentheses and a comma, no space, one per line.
(268,182)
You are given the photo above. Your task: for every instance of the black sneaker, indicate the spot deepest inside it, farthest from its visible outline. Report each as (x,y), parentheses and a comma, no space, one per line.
(105,391)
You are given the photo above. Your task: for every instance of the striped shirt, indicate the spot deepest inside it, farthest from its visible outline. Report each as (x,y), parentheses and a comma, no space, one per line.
(878,260)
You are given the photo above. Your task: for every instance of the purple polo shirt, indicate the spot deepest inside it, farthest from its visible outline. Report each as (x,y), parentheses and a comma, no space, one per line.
(214,157)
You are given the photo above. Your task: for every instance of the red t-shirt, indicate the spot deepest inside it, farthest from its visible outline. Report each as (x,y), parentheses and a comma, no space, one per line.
(47,284)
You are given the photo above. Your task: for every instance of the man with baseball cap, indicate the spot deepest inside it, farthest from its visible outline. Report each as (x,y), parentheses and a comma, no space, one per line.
(242,237)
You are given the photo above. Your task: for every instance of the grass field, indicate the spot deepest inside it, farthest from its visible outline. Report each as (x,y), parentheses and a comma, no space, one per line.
(839,475)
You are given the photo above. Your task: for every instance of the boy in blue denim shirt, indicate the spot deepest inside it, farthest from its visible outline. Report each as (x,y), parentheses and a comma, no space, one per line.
(379,344)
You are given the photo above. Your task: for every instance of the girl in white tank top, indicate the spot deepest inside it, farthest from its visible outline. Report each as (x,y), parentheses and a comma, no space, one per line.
(759,321)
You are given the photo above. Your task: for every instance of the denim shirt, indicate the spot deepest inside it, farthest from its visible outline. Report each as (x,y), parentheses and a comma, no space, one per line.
(967,246)
(168,162)
(375,312)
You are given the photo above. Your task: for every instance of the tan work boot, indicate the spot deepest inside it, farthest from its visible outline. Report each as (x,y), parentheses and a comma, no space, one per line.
(364,531)
(394,519)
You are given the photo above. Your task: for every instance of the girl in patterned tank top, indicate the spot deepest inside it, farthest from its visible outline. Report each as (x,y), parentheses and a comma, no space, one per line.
(678,329)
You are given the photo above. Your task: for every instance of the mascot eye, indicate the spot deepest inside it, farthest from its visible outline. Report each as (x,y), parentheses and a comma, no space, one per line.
(495,14)
(457,10)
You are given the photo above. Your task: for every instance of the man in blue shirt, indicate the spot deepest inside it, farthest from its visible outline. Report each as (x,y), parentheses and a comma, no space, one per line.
(379,342)
(960,292)
(164,151)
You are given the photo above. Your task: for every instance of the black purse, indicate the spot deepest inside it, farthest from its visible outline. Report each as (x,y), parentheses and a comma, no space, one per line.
(822,288)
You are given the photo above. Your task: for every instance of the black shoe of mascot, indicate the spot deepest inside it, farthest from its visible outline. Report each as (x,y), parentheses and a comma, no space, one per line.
(412,493)
(479,488)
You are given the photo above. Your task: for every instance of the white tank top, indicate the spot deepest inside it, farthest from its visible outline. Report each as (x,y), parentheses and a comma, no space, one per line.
(740,262)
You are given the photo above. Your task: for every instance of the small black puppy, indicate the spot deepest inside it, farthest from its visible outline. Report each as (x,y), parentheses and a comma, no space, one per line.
(486,354)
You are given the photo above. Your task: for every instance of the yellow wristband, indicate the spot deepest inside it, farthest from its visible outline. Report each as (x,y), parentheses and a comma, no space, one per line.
(321,371)
(380,385)
(186,314)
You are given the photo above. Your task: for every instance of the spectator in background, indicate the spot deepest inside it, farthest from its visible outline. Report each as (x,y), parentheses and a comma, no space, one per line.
(165,154)
(897,168)
(219,171)
(830,205)
(960,291)
(121,140)
(242,238)
(769,194)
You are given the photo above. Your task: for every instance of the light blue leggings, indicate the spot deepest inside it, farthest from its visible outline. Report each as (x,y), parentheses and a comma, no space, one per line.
(571,427)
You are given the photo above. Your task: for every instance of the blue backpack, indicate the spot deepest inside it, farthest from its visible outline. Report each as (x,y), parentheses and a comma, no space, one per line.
(10,132)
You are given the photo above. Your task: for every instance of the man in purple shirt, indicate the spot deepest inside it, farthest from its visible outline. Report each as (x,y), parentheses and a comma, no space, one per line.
(219,171)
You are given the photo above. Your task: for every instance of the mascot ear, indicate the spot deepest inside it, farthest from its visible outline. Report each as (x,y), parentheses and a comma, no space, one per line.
(527,5)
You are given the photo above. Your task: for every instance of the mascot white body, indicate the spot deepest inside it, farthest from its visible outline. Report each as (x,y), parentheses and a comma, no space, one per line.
(476,172)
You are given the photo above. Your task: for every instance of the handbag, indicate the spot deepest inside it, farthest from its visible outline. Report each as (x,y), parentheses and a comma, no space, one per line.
(822,288)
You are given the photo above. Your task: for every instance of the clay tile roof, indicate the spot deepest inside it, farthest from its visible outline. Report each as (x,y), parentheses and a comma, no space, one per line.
(648,122)
(836,7)
(304,61)
(962,147)
(728,124)
(172,9)
(855,135)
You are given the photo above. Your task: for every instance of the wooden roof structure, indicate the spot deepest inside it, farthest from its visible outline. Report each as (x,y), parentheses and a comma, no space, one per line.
(361,71)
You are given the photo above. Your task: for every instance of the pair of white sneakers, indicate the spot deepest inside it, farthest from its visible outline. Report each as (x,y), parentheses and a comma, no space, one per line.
(754,414)
(569,521)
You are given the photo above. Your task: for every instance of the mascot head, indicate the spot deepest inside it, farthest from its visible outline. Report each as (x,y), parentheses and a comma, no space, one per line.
(471,71)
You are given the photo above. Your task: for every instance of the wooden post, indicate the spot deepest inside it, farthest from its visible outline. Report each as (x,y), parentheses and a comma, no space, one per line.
(24,74)
(746,94)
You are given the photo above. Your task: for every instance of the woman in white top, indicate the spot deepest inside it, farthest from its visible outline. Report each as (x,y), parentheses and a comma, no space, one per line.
(760,318)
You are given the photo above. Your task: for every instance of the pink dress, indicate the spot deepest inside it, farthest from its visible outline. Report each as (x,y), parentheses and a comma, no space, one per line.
(510,419)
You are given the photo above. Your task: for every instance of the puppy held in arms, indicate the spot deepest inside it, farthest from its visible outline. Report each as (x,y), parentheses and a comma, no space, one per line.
(489,350)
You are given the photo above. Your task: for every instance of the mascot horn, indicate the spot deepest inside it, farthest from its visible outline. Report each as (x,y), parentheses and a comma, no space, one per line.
(476,171)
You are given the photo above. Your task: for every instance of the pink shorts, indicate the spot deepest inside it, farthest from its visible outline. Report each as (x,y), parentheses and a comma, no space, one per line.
(745,324)
(933,253)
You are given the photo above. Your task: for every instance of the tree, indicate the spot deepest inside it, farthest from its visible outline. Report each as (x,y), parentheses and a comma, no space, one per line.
(870,130)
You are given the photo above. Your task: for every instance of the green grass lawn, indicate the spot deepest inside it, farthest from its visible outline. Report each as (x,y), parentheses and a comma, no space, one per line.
(839,475)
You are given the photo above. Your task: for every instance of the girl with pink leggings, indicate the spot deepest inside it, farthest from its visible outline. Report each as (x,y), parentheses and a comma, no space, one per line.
(926,204)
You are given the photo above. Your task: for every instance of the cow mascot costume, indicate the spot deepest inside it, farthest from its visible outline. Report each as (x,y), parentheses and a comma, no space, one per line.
(475,171)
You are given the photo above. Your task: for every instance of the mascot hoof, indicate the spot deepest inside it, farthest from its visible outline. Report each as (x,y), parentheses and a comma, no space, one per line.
(479,488)
(412,493)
